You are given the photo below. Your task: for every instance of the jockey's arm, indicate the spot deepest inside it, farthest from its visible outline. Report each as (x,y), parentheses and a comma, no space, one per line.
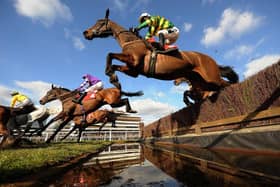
(13,101)
(144,24)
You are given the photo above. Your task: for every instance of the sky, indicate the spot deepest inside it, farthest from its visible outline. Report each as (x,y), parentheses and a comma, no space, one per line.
(41,43)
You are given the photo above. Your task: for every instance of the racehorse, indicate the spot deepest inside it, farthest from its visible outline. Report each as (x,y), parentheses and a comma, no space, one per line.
(5,114)
(141,58)
(7,117)
(111,96)
(98,116)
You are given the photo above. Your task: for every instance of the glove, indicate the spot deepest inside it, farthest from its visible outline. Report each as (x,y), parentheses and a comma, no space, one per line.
(134,30)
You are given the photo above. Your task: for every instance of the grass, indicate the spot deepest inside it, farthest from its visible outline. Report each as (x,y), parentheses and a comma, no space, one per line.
(22,161)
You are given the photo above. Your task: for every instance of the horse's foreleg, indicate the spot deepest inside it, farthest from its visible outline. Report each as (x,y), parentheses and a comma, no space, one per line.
(103,124)
(57,117)
(118,56)
(74,128)
(80,134)
(126,70)
(110,71)
(57,130)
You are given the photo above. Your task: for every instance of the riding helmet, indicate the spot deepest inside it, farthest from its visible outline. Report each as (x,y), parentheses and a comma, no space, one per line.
(142,16)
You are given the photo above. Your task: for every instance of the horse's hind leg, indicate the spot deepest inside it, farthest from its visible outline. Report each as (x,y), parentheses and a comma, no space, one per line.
(128,108)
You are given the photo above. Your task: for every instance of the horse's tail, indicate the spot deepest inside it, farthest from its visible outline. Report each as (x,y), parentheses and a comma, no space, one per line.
(229,73)
(131,94)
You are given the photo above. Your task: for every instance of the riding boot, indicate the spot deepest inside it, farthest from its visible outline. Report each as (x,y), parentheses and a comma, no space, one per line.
(161,41)
(78,101)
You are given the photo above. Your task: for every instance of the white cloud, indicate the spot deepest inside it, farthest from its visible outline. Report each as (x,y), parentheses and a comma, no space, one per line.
(76,41)
(151,110)
(187,27)
(242,50)
(239,51)
(148,109)
(78,44)
(232,24)
(5,95)
(180,89)
(259,64)
(126,5)
(120,4)
(46,11)
(207,2)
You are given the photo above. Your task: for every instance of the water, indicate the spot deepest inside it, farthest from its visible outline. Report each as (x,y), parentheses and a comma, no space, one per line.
(135,165)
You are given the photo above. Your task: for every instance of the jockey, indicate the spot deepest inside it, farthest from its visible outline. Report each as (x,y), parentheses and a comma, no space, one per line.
(90,84)
(21,101)
(161,27)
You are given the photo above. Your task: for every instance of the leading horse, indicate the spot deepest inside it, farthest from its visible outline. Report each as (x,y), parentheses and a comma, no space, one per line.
(111,96)
(140,58)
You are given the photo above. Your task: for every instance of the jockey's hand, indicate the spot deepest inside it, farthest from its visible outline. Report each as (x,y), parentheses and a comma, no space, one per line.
(134,30)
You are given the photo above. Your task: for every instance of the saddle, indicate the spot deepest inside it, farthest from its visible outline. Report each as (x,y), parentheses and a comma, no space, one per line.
(156,49)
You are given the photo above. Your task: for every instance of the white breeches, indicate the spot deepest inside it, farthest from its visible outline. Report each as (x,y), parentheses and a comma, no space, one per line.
(24,103)
(170,35)
(94,88)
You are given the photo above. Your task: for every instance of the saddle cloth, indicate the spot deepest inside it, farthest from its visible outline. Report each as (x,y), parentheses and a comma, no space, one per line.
(90,95)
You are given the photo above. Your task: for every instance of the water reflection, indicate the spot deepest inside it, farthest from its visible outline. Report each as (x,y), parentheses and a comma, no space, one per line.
(134,165)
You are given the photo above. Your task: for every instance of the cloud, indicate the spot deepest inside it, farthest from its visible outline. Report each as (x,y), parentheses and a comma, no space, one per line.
(5,95)
(207,2)
(180,89)
(239,51)
(258,64)
(151,110)
(242,50)
(187,27)
(36,88)
(76,41)
(78,44)
(126,5)
(46,11)
(233,24)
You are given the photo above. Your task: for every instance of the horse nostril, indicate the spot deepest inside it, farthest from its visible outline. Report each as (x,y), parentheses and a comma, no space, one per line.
(85,32)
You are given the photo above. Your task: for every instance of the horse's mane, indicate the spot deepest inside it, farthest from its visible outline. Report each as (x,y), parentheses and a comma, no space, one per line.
(66,89)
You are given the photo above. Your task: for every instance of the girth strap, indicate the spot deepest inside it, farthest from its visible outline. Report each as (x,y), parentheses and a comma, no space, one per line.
(152,64)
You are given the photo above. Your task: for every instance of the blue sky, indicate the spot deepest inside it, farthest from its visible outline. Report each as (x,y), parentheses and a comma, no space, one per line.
(41,43)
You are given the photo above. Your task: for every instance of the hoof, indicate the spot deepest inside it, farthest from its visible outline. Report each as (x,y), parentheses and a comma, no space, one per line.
(132,111)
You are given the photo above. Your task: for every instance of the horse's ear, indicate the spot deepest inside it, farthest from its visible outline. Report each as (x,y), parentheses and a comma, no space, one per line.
(52,86)
(107,13)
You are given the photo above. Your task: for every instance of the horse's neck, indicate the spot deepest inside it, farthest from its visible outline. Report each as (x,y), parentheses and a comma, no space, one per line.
(122,35)
(66,96)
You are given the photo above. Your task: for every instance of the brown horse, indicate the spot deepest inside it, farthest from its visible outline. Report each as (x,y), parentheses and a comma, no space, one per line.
(111,96)
(5,114)
(140,57)
(98,116)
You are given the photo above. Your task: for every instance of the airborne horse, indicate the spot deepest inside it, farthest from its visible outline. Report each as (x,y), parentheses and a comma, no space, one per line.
(98,116)
(140,57)
(111,96)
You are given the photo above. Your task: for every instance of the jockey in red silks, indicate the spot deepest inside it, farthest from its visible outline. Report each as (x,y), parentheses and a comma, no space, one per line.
(90,84)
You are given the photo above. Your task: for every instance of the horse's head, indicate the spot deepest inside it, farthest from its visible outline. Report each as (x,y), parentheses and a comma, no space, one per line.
(101,29)
(51,95)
